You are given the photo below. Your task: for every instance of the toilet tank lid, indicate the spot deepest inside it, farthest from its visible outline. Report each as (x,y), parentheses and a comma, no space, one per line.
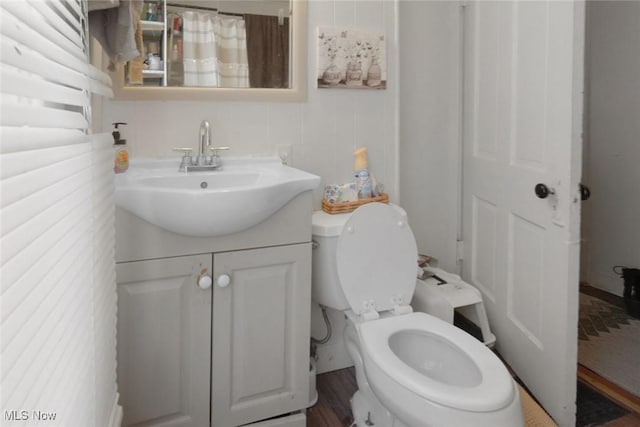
(331,225)
(328,225)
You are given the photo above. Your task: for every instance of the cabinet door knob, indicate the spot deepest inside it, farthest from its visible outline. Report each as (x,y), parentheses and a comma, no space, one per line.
(204,282)
(223,280)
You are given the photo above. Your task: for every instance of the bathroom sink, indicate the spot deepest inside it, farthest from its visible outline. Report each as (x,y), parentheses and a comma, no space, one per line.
(237,196)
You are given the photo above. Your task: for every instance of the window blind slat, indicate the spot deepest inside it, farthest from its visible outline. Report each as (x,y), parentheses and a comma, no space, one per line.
(70,32)
(53,266)
(23,211)
(15,140)
(37,293)
(20,31)
(100,76)
(65,327)
(22,57)
(57,295)
(60,6)
(18,239)
(19,84)
(100,82)
(17,163)
(14,343)
(52,28)
(15,267)
(103,271)
(17,353)
(14,114)
(25,184)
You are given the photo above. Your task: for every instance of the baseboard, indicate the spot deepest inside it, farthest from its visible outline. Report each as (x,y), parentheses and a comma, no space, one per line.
(115,420)
(619,395)
(606,281)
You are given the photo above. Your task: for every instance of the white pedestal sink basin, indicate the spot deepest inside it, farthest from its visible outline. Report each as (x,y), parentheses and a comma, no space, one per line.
(239,195)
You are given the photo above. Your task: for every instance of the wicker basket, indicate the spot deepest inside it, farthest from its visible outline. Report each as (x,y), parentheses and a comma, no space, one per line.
(338,208)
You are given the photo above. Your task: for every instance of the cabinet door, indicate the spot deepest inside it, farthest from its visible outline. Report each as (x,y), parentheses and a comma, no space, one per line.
(164,342)
(260,334)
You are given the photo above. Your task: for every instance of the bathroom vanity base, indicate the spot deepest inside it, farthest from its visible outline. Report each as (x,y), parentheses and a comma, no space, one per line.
(222,356)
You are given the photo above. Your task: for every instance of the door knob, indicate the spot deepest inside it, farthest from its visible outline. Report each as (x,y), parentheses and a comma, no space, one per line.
(223,280)
(542,191)
(585,193)
(204,281)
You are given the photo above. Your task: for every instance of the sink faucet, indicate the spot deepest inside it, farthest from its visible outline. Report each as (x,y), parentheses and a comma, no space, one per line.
(202,161)
(205,142)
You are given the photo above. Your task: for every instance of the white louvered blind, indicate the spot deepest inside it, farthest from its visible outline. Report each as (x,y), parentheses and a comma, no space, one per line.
(57,290)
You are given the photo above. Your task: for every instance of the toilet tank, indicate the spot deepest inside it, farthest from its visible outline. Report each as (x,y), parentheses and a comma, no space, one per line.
(325,286)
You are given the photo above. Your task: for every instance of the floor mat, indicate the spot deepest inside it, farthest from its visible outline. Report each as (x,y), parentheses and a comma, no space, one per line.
(595,409)
(609,342)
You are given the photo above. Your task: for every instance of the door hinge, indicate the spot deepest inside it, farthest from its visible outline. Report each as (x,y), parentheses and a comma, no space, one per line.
(459,250)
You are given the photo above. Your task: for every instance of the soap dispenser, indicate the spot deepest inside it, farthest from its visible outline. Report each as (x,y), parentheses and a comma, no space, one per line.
(121,158)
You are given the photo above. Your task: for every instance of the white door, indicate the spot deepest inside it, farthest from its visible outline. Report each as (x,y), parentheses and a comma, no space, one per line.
(261,324)
(164,342)
(522,127)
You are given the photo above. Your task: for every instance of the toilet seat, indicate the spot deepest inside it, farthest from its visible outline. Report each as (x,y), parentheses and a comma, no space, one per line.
(491,390)
(376,257)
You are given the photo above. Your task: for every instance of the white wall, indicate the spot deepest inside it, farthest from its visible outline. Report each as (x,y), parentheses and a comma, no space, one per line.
(612,168)
(323,131)
(429,38)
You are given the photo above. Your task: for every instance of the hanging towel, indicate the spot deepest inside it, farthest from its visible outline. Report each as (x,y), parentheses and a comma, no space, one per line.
(136,65)
(114,29)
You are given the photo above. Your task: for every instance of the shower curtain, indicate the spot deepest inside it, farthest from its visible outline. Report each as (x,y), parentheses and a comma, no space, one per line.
(214,50)
(268,47)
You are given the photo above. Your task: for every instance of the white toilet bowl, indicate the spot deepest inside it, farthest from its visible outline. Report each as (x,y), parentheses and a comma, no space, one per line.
(429,373)
(412,369)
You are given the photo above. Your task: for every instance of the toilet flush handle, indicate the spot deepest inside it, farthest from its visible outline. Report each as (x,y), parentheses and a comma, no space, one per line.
(223,280)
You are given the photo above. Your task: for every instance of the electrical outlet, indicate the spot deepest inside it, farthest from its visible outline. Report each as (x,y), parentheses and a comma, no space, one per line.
(285,153)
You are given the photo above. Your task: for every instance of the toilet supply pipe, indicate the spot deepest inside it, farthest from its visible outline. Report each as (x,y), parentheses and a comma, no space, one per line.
(327,323)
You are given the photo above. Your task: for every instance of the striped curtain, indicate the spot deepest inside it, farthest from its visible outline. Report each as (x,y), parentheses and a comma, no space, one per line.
(214,50)
(57,269)
(231,48)
(199,50)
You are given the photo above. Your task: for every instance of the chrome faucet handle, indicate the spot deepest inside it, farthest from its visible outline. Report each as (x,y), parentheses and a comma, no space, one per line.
(185,150)
(216,160)
(187,158)
(215,150)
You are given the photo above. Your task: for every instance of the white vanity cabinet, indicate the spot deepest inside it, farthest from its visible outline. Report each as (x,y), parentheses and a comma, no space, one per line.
(164,342)
(260,334)
(230,355)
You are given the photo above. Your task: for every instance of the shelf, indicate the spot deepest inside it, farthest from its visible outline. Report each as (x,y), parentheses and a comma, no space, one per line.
(150,26)
(152,74)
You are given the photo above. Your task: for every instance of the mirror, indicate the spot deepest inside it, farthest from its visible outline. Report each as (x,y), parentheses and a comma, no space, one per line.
(218,50)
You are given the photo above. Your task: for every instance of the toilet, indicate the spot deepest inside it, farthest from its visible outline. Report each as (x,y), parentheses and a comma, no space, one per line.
(412,369)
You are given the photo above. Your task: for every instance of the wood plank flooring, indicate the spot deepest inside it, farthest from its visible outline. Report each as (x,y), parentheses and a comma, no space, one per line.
(336,388)
(334,392)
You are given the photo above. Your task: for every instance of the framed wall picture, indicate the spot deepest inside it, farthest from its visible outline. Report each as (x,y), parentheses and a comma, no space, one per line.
(351,59)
